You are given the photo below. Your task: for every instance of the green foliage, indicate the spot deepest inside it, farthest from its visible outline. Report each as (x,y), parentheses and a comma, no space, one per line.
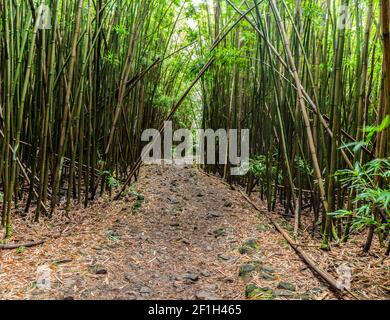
(140,199)
(366,181)
(374,130)
(196,66)
(313,11)
(256,293)
(304,167)
(371,133)
(258,166)
(111,181)
(164,102)
(111,59)
(112,235)
(369,197)
(231,56)
(21,250)
(121,30)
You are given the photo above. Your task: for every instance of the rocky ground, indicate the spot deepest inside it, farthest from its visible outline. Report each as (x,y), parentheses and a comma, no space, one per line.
(179,234)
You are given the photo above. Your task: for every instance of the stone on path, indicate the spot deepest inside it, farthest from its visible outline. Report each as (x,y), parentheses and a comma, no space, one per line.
(192,277)
(246,270)
(205,295)
(254,292)
(287,286)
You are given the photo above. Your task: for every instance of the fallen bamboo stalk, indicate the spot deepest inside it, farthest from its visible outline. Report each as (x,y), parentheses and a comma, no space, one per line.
(21,245)
(305,257)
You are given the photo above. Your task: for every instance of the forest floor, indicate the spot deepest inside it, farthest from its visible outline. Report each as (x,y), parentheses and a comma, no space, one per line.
(179,235)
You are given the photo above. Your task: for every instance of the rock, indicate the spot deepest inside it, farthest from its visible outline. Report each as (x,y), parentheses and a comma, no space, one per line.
(185,241)
(180,289)
(70,283)
(263,228)
(219,233)
(212,287)
(169,211)
(192,277)
(268,269)
(305,297)
(145,290)
(174,277)
(246,270)
(209,248)
(251,243)
(99,270)
(128,276)
(224,258)
(283,293)
(249,246)
(175,224)
(229,280)
(268,277)
(206,273)
(317,290)
(254,292)
(212,215)
(228,204)
(287,286)
(173,200)
(204,295)
(243,250)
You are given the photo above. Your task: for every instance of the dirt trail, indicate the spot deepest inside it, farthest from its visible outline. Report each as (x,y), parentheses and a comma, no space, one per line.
(186,236)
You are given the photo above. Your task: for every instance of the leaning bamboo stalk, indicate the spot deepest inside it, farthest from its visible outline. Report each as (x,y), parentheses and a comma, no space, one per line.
(217,41)
(307,97)
(306,119)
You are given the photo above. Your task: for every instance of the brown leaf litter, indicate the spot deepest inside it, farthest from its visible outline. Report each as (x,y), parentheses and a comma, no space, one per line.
(180,240)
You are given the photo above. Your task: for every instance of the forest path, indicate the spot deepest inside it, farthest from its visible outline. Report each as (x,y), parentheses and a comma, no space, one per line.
(181,239)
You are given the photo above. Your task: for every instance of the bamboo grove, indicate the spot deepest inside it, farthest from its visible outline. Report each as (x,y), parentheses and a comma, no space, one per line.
(310,79)
(75,95)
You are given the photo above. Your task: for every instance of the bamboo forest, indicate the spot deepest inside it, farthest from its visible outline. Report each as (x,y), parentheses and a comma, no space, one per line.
(296,92)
